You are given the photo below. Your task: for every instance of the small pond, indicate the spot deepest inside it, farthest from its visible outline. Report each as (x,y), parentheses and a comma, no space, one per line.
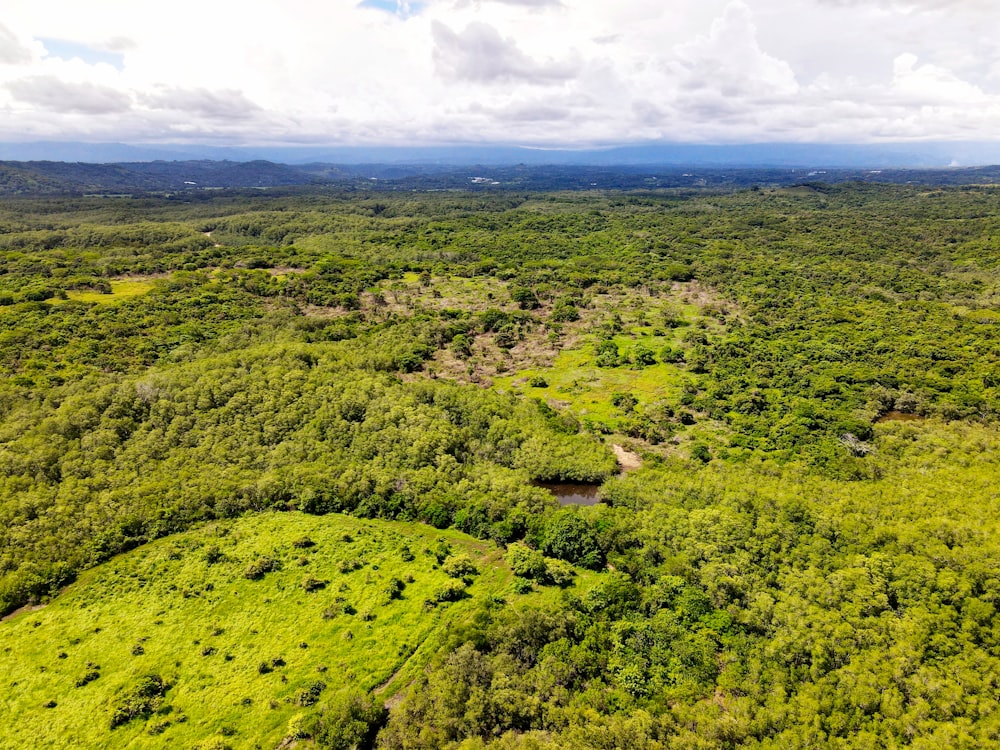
(572,494)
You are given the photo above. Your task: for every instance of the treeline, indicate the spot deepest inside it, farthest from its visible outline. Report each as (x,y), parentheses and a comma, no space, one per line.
(92,471)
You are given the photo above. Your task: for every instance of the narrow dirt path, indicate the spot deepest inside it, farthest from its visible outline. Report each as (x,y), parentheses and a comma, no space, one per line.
(21,610)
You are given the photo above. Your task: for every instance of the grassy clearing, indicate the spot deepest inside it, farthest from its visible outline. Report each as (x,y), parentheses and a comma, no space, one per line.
(237,653)
(576,382)
(120,289)
(563,354)
(406,294)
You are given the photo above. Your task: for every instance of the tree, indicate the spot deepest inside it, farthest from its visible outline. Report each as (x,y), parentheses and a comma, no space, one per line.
(607,353)
(569,537)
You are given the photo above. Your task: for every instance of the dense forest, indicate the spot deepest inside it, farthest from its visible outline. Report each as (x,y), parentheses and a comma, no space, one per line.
(809,376)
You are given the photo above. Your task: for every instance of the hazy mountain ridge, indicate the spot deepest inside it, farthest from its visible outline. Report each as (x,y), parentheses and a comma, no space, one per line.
(79,177)
(66,178)
(913,155)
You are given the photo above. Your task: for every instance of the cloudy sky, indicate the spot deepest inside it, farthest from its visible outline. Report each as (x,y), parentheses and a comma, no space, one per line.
(535,72)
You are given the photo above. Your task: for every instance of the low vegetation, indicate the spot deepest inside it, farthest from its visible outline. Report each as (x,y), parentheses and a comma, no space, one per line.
(160,648)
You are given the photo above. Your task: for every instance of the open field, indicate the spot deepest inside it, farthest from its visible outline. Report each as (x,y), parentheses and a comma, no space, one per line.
(238,653)
(120,289)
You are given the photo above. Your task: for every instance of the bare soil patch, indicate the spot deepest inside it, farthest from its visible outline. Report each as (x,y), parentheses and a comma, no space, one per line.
(628,460)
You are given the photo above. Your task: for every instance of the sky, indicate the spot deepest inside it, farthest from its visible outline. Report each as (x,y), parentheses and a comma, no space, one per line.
(545,73)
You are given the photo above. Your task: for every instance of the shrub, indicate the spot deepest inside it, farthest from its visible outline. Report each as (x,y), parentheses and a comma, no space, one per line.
(624,401)
(310,584)
(349,566)
(310,695)
(340,607)
(451,591)
(459,566)
(522,585)
(393,589)
(559,573)
(565,312)
(524,297)
(350,719)
(441,551)
(158,727)
(669,355)
(141,700)
(525,562)
(607,354)
(537,381)
(642,356)
(461,346)
(259,568)
(87,677)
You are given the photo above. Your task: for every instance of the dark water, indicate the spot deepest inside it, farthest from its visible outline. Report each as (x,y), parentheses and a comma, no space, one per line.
(572,494)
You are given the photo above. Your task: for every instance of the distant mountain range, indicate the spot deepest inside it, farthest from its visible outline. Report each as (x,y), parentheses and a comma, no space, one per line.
(201,175)
(875,156)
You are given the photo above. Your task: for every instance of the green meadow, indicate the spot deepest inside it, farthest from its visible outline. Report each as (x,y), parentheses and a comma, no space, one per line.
(574,380)
(345,607)
(120,289)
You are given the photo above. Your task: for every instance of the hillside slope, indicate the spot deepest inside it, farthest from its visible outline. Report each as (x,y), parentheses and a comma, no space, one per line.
(227,651)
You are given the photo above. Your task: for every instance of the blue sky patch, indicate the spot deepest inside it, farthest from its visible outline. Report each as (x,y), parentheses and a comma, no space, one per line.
(397,7)
(68,50)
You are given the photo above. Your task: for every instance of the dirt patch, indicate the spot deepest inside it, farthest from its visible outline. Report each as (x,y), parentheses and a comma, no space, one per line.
(628,460)
(695,293)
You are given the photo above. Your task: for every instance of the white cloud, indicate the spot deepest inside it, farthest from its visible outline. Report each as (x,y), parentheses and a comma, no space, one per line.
(535,71)
(216,105)
(729,62)
(479,53)
(930,85)
(55,95)
(12,50)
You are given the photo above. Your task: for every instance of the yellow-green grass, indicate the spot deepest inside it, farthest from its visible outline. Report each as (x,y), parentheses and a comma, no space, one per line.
(575,379)
(469,293)
(120,289)
(205,629)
